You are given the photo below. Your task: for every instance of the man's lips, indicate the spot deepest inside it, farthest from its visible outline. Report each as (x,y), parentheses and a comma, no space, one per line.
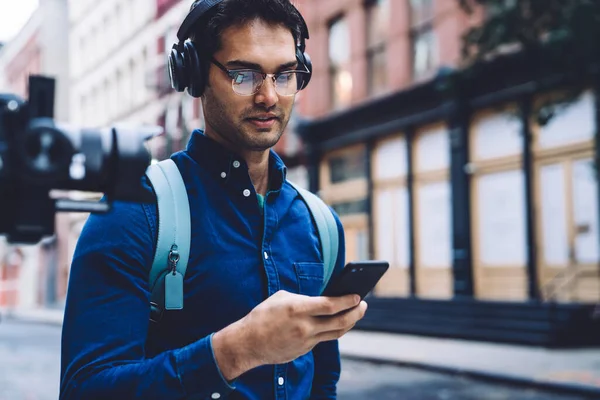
(265,117)
(263,123)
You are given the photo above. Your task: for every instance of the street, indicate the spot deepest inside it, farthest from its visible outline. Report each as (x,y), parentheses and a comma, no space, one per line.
(30,365)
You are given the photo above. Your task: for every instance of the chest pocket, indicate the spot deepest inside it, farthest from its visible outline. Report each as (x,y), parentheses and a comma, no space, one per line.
(310,278)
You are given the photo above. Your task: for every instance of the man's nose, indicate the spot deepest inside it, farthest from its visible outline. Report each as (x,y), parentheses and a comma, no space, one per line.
(267,95)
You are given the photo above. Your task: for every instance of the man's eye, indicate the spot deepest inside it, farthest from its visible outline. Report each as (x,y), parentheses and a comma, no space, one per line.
(285,77)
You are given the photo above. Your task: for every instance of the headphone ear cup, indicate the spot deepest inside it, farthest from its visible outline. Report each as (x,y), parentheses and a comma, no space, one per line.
(305,62)
(176,67)
(309,68)
(195,70)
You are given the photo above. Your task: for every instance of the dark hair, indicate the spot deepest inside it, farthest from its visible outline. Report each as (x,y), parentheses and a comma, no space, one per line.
(206,33)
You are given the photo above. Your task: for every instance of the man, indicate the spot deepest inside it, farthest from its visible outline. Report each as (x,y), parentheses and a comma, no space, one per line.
(254,324)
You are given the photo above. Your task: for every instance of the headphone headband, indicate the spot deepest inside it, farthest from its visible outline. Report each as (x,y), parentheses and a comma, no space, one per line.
(201,7)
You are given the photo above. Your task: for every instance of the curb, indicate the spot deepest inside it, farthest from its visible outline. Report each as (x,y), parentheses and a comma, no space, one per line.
(555,387)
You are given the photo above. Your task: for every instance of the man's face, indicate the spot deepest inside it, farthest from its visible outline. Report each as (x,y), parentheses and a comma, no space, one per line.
(234,119)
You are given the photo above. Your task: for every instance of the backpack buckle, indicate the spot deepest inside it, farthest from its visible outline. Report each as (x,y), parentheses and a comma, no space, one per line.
(156,312)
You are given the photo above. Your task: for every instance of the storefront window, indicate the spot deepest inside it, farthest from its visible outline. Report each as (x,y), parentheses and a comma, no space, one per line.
(348,166)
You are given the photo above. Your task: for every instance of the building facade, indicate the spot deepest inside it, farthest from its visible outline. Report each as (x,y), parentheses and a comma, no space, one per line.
(28,273)
(489,219)
(119,76)
(111,44)
(363,52)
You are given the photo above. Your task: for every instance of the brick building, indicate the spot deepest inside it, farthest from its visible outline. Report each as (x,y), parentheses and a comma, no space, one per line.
(364,50)
(362,53)
(481,211)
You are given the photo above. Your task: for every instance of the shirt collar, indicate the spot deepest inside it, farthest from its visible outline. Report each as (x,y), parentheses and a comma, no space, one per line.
(223,163)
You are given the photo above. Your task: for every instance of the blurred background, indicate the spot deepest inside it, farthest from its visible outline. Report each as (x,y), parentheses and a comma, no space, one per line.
(432,127)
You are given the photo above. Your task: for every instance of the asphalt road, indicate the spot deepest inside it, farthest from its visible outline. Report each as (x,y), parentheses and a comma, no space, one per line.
(30,366)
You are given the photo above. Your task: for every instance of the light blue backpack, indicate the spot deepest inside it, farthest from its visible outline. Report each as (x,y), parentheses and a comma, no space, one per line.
(174,236)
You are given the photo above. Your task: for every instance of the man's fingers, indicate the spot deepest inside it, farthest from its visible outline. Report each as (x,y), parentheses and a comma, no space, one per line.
(331,335)
(324,306)
(343,321)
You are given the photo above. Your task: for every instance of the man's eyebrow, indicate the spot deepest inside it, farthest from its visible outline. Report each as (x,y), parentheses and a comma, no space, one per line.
(251,65)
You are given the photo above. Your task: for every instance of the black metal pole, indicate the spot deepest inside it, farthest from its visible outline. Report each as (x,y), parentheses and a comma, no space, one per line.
(369,172)
(532,277)
(597,148)
(314,160)
(462,264)
(412,271)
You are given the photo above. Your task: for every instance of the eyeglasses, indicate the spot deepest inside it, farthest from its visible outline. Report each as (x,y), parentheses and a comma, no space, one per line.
(246,82)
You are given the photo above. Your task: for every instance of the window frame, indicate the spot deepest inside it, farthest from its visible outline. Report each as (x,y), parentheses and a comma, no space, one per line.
(565,155)
(494,282)
(437,281)
(397,282)
(376,47)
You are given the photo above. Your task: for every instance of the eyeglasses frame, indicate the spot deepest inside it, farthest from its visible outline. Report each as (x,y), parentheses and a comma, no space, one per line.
(231,73)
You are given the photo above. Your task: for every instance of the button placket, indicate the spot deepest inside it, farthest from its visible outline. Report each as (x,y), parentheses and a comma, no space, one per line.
(280,381)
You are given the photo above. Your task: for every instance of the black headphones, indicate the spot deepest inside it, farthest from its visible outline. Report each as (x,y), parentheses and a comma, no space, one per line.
(187,71)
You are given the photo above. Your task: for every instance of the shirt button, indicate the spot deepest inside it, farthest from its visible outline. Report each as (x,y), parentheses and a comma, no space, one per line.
(280,381)
(236,164)
(266,258)
(246,193)
(216,395)
(223,175)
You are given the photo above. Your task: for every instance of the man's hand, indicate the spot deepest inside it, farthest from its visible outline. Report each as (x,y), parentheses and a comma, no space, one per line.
(282,328)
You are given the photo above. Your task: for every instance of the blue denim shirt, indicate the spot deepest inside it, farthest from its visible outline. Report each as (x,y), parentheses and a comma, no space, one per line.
(240,255)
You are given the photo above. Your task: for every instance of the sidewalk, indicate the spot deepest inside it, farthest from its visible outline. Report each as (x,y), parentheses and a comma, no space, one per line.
(35,315)
(573,371)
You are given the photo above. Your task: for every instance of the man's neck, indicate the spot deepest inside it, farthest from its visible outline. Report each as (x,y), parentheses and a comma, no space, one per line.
(258,169)
(257,161)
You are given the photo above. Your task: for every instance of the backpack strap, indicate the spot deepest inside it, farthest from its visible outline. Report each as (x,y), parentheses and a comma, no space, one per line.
(327,228)
(174,235)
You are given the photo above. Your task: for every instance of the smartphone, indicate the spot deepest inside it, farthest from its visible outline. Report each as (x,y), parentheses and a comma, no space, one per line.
(357,277)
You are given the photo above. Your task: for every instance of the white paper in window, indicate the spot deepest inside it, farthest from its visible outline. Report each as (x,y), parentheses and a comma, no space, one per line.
(501,204)
(433,150)
(498,135)
(571,125)
(434,225)
(585,207)
(385,226)
(401,228)
(362,244)
(555,243)
(390,159)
